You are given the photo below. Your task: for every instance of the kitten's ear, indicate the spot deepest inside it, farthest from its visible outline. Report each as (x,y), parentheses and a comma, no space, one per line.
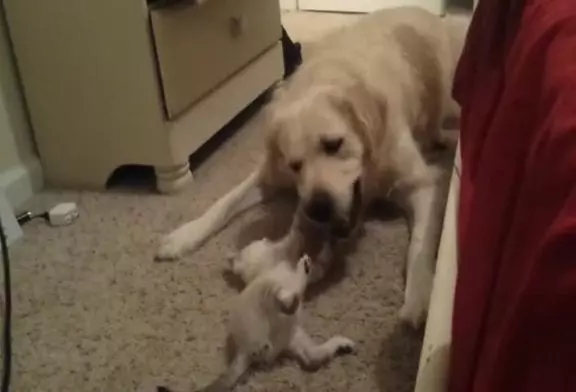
(288,302)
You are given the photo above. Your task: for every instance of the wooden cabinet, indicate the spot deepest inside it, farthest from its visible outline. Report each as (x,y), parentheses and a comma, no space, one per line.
(110,83)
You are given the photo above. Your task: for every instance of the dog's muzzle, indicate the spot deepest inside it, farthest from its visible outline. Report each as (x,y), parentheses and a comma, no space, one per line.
(341,228)
(320,209)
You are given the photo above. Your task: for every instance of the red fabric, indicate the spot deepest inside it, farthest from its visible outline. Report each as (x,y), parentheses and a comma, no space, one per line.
(514,325)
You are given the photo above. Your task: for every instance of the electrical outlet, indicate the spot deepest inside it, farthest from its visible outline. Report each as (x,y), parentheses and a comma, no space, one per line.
(10,225)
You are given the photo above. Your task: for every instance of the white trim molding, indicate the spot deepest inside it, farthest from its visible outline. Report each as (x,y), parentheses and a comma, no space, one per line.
(21,182)
(433,370)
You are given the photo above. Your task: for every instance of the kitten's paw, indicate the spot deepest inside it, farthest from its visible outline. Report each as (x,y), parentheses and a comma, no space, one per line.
(305,259)
(343,345)
(343,350)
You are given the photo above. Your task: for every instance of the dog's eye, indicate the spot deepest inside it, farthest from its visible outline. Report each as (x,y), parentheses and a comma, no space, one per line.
(295,166)
(332,146)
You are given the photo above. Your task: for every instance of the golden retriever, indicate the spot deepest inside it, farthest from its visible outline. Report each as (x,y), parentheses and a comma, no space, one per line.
(351,125)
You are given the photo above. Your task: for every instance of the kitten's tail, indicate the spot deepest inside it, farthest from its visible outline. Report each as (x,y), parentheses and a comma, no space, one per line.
(227,380)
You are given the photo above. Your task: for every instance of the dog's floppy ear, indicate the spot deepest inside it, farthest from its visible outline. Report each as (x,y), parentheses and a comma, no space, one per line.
(288,302)
(275,170)
(271,127)
(366,112)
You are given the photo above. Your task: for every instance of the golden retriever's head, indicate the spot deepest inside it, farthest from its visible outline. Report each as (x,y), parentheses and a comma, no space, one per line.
(322,140)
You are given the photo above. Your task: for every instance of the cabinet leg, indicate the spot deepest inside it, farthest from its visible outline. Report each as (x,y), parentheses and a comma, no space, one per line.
(173,178)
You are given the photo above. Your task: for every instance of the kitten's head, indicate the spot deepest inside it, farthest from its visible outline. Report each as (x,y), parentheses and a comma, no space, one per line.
(292,286)
(254,260)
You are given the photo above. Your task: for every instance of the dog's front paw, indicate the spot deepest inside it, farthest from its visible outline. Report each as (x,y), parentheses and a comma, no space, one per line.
(184,239)
(170,247)
(412,315)
(342,345)
(417,296)
(415,308)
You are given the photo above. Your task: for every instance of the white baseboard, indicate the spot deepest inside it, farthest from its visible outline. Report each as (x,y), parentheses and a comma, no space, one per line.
(21,182)
(433,370)
(10,225)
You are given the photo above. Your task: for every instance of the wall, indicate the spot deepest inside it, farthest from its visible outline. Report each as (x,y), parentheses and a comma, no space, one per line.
(20,171)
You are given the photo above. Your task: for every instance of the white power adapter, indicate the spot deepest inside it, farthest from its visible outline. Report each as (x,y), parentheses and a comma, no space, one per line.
(63,214)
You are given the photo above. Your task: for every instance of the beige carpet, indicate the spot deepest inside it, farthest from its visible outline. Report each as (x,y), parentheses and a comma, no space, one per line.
(93,312)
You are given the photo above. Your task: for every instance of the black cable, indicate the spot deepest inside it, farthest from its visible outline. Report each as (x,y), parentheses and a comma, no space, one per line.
(7,370)
(27,216)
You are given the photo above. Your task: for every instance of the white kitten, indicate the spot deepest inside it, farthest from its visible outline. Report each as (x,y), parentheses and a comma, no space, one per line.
(266,322)
(254,259)
(264,254)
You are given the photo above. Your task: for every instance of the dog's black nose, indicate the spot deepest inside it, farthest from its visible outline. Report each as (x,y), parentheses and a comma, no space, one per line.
(320,207)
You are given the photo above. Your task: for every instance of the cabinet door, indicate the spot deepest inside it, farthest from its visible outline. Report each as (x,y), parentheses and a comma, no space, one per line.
(199,47)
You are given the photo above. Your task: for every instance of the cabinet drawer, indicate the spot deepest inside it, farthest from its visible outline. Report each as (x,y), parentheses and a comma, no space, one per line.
(199,47)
